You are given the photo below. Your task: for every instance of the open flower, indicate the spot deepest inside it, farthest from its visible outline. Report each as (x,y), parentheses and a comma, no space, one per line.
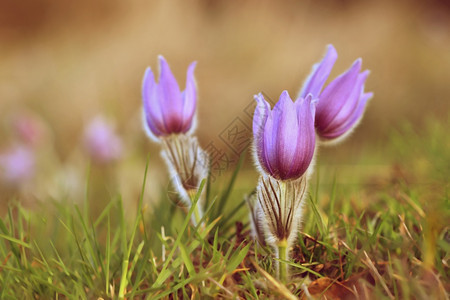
(167,110)
(284,138)
(342,102)
(169,118)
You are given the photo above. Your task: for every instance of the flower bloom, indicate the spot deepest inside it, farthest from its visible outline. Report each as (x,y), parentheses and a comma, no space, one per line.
(167,110)
(284,138)
(101,142)
(17,165)
(342,102)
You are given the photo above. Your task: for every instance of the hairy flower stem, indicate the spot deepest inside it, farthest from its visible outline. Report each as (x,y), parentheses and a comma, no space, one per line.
(188,166)
(282,255)
(281,205)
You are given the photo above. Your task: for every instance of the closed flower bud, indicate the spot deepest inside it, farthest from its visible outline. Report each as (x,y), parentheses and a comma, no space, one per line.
(167,110)
(342,102)
(284,138)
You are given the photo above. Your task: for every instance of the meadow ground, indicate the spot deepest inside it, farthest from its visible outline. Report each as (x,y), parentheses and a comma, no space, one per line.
(373,235)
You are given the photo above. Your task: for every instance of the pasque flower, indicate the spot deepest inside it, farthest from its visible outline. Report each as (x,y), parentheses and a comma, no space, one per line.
(284,138)
(342,102)
(169,117)
(167,110)
(284,144)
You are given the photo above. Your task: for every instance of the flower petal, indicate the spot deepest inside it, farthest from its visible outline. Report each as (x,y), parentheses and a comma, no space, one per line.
(268,155)
(305,111)
(152,106)
(354,120)
(261,112)
(285,134)
(352,102)
(335,96)
(319,74)
(189,97)
(170,98)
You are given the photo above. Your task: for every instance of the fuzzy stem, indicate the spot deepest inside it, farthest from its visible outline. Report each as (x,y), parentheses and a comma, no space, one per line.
(282,245)
(282,255)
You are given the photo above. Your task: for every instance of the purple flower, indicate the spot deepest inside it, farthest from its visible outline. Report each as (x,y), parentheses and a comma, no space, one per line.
(167,110)
(284,137)
(17,165)
(342,102)
(101,142)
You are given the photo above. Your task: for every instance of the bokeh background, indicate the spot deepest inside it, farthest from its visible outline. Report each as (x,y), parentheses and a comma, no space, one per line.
(63,63)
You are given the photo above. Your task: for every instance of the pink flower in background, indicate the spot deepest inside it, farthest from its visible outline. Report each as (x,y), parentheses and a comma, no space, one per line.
(17,165)
(29,128)
(101,142)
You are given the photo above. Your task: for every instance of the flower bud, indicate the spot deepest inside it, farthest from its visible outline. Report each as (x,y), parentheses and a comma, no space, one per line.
(284,138)
(167,110)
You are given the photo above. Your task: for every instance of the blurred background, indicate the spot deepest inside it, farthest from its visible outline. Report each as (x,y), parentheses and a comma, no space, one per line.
(64,64)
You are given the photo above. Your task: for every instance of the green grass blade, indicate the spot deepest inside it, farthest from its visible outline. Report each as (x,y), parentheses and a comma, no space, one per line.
(223,200)
(164,274)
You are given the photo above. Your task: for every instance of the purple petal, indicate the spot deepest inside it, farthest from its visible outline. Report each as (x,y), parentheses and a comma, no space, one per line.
(268,155)
(351,104)
(189,98)
(305,110)
(261,112)
(155,127)
(152,107)
(260,116)
(170,98)
(335,96)
(319,74)
(354,120)
(285,134)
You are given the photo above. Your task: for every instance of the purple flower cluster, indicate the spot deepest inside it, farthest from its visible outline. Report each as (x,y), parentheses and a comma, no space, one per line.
(284,138)
(284,141)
